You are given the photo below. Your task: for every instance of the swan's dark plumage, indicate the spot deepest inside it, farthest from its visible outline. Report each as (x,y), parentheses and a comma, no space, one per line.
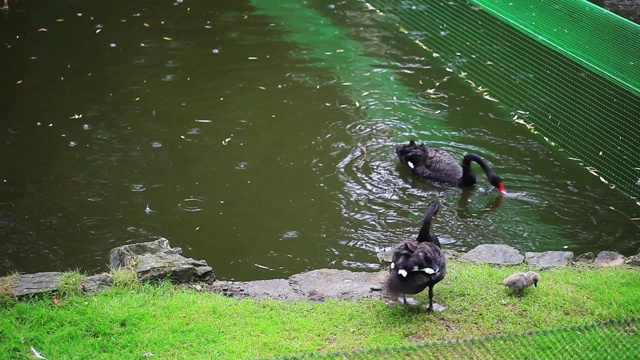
(420,263)
(438,165)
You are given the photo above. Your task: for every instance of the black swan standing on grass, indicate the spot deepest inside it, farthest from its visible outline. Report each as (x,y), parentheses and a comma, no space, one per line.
(418,264)
(438,165)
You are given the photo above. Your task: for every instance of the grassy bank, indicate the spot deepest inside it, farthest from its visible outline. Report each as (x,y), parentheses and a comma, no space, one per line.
(131,320)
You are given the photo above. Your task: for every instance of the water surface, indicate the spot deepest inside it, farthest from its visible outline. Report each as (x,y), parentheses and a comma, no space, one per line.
(260,142)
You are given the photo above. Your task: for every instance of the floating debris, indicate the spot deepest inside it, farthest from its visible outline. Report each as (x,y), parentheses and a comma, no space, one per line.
(488,97)
(263,267)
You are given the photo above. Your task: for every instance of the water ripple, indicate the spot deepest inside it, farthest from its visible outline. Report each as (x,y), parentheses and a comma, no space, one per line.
(192,204)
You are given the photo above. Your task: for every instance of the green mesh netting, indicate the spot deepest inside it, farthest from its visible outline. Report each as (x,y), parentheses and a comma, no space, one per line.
(598,39)
(615,339)
(566,69)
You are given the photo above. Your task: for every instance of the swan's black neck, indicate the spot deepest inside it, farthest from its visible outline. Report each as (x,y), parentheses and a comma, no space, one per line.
(468,177)
(425,234)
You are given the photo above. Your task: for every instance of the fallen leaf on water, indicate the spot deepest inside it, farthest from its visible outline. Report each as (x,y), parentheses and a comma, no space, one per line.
(43,29)
(167,38)
(19,82)
(488,97)
(145,24)
(59,20)
(75,116)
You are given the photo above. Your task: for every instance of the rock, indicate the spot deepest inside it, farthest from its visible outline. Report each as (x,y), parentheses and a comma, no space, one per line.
(278,289)
(126,255)
(493,254)
(95,283)
(609,258)
(548,259)
(315,285)
(338,284)
(633,260)
(586,257)
(37,283)
(156,260)
(385,257)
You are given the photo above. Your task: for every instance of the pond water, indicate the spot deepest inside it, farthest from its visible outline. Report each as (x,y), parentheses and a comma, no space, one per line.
(259,137)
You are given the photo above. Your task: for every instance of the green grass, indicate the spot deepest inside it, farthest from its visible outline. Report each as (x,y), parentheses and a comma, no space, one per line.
(6,297)
(124,278)
(172,323)
(69,282)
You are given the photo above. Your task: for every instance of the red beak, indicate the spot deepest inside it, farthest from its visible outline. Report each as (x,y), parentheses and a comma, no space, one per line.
(501,188)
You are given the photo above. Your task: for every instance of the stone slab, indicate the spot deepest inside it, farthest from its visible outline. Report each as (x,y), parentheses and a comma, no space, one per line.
(95,283)
(609,258)
(547,259)
(31,284)
(493,254)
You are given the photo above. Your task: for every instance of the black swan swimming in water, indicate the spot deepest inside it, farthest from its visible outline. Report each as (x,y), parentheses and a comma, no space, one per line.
(418,264)
(438,165)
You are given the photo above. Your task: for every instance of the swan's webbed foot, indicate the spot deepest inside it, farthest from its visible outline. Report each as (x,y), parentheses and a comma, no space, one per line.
(408,301)
(435,307)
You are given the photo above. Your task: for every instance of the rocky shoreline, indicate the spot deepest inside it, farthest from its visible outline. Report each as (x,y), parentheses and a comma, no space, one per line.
(157,260)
